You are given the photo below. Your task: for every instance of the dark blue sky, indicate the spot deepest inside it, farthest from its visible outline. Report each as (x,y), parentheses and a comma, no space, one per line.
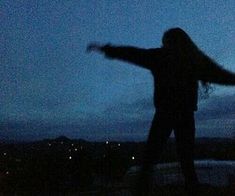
(50,86)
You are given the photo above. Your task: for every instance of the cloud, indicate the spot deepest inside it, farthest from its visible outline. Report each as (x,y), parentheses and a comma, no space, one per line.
(124,121)
(216,117)
(141,108)
(217,107)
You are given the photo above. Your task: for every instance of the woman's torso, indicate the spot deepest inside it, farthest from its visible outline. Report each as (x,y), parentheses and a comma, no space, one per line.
(176,87)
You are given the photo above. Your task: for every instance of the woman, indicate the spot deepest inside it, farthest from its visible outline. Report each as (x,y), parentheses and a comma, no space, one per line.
(177,67)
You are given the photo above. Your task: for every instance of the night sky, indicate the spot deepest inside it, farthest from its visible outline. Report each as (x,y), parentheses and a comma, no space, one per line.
(50,86)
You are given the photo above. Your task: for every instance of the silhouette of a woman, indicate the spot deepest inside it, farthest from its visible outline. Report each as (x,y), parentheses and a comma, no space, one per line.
(177,67)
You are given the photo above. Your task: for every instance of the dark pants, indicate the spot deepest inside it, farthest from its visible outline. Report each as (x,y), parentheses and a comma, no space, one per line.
(184,129)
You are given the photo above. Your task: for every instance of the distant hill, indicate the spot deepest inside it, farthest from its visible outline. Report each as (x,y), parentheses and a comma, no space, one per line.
(65,139)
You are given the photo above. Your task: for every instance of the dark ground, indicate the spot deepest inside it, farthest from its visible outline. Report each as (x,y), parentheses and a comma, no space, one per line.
(72,167)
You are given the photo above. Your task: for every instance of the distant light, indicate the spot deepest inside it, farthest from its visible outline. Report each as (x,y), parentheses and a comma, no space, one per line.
(7,172)
(133,158)
(70,157)
(104,155)
(107,142)
(49,144)
(72,144)
(62,142)
(119,144)
(76,149)
(4,153)
(81,147)
(69,150)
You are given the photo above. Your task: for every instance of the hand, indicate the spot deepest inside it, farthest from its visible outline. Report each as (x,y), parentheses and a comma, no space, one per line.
(94,47)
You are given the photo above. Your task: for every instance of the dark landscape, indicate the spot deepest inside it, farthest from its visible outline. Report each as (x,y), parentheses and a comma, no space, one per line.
(64,165)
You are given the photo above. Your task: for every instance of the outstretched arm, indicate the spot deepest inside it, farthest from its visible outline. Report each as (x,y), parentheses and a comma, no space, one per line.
(138,56)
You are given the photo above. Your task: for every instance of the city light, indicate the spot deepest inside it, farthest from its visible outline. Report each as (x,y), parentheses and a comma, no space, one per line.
(72,144)
(49,144)
(4,153)
(133,158)
(76,149)
(119,144)
(107,142)
(7,172)
(70,157)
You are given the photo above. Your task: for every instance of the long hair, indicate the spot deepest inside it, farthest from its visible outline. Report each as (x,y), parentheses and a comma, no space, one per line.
(179,41)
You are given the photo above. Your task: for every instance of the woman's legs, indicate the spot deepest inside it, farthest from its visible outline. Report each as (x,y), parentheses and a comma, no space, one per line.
(185,139)
(159,133)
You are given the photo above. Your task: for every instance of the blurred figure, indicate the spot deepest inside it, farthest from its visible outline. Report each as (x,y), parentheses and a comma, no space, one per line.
(177,67)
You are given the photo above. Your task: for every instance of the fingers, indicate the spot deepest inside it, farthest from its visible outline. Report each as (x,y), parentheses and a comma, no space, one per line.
(94,47)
